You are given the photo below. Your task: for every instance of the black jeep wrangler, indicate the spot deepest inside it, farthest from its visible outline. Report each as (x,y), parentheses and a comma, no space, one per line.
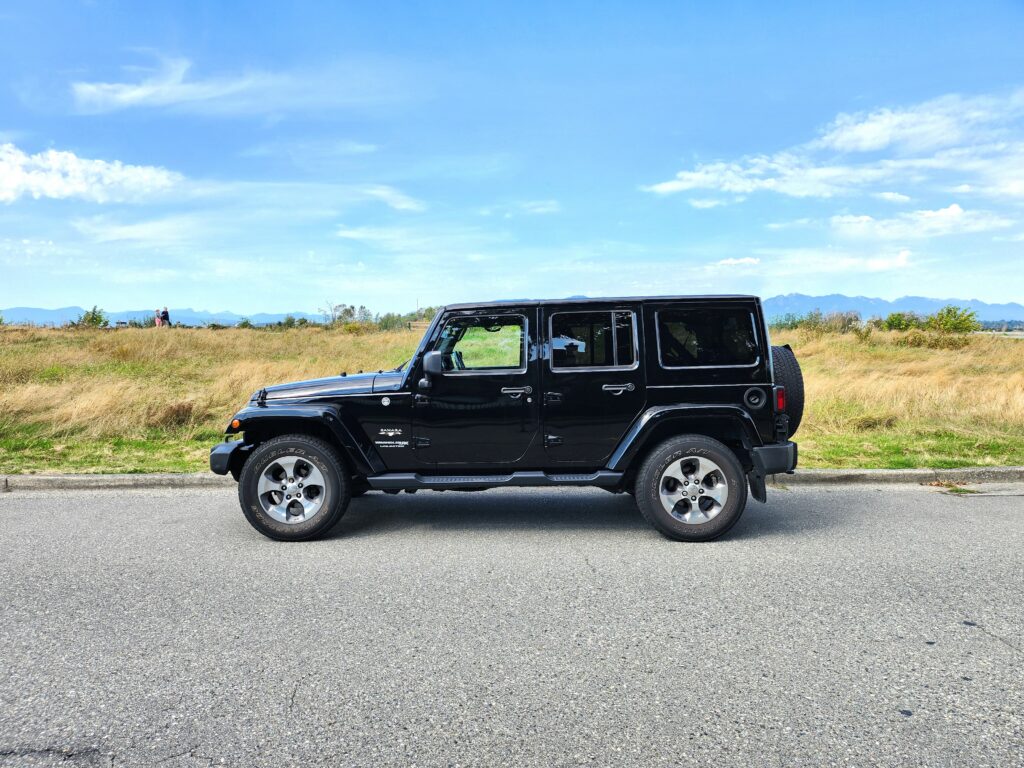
(681,401)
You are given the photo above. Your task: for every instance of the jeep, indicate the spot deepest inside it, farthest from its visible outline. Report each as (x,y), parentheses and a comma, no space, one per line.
(680,401)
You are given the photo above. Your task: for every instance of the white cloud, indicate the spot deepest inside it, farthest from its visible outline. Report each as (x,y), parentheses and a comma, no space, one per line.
(941,144)
(892,197)
(169,85)
(795,224)
(738,262)
(805,262)
(704,203)
(57,174)
(154,232)
(393,197)
(527,208)
(942,122)
(919,224)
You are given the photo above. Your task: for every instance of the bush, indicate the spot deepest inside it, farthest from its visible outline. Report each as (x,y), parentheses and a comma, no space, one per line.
(245,322)
(932,340)
(953,319)
(903,321)
(93,318)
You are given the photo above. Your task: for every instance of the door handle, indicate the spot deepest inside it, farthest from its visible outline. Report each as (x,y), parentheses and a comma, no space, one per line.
(618,389)
(516,392)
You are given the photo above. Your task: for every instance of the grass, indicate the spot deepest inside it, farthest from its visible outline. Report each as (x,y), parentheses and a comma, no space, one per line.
(148,400)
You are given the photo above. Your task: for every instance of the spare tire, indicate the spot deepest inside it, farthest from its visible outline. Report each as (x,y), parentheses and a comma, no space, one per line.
(788,375)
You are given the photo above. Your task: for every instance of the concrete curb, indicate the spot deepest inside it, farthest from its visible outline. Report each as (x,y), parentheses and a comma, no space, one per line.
(894,476)
(100,482)
(802,477)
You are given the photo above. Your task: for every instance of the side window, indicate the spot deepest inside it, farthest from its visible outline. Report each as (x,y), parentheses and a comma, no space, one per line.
(706,337)
(592,340)
(489,343)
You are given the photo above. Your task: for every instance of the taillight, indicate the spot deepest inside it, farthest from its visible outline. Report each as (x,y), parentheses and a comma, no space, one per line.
(780,399)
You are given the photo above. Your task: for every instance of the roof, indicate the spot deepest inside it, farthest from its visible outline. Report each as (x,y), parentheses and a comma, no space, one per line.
(593,300)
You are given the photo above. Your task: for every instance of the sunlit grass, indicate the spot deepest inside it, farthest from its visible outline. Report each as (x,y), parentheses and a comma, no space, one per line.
(143,400)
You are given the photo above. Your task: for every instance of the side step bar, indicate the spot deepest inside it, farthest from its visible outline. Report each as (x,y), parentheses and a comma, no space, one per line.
(413,480)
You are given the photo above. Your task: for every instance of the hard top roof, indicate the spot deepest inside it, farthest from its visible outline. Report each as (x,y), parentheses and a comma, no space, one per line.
(593,300)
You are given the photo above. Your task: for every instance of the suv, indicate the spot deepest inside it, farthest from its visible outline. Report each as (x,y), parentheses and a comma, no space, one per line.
(680,401)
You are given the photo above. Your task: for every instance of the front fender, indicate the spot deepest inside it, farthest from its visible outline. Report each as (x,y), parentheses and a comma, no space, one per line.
(312,418)
(637,437)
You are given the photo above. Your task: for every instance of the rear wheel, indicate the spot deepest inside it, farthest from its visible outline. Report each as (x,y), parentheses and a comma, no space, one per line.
(294,488)
(691,488)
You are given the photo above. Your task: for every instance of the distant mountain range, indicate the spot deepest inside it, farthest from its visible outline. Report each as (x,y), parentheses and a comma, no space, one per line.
(777,306)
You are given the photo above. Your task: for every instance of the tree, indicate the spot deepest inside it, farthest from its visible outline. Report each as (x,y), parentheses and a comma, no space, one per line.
(93,318)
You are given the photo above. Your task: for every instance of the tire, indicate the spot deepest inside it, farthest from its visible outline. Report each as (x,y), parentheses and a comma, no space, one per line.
(788,375)
(717,467)
(319,481)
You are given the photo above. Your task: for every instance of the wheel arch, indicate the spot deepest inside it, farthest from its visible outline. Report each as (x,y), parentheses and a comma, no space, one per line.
(729,425)
(326,422)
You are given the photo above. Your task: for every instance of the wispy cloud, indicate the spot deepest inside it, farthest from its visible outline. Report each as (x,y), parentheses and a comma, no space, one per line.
(393,197)
(171,85)
(951,220)
(522,208)
(706,202)
(825,261)
(60,174)
(973,144)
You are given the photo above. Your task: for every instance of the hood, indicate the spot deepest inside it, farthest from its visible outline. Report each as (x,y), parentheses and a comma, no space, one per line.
(354,384)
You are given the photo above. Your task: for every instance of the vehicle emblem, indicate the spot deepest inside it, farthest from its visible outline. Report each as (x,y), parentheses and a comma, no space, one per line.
(385,401)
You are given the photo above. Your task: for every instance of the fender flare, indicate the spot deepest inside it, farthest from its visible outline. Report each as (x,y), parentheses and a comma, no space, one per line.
(636,438)
(358,449)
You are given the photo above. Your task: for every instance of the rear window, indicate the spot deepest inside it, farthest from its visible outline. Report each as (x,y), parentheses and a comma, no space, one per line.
(706,337)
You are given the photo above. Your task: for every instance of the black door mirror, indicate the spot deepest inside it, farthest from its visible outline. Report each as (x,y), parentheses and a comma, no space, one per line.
(433,363)
(432,366)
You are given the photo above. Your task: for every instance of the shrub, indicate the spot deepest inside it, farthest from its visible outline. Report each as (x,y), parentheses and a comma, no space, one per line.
(92,318)
(932,340)
(787,322)
(245,322)
(863,333)
(903,321)
(953,319)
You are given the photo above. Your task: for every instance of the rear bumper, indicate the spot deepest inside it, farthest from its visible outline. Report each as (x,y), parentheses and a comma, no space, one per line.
(221,456)
(775,459)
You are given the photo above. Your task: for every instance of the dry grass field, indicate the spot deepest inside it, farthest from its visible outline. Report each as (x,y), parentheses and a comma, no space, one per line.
(145,400)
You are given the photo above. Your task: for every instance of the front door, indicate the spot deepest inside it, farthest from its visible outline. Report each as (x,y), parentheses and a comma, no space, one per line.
(593,381)
(483,410)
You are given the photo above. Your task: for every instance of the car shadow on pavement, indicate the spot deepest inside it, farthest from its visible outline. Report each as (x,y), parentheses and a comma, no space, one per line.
(546,510)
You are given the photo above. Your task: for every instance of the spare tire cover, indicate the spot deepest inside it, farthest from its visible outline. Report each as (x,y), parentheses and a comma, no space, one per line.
(788,375)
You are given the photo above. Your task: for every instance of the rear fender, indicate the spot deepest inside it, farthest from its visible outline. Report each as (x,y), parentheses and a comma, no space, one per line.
(262,422)
(658,423)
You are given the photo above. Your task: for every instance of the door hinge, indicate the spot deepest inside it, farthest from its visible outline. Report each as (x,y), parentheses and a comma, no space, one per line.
(552,440)
(420,442)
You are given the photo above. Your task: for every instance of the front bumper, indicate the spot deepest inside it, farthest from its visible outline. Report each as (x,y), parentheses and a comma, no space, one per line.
(225,455)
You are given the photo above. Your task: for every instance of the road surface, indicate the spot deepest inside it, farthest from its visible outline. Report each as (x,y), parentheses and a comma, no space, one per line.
(852,625)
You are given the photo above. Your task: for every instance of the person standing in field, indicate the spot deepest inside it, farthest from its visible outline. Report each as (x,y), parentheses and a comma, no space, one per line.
(156,318)
(165,318)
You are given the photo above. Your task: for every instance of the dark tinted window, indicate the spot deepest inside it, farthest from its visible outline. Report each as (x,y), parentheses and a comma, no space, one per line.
(592,339)
(711,336)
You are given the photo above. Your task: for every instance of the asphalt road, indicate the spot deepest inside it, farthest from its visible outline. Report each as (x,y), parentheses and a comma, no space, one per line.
(833,626)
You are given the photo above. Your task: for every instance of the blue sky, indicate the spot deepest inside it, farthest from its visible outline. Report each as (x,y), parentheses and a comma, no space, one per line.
(274,156)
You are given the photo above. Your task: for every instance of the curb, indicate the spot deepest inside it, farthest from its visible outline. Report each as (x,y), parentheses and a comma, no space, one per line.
(896,476)
(101,482)
(802,477)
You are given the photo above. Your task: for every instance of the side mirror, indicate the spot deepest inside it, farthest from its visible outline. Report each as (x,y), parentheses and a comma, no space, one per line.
(432,366)
(432,363)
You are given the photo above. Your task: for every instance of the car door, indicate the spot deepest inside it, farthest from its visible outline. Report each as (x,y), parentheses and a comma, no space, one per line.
(593,381)
(483,409)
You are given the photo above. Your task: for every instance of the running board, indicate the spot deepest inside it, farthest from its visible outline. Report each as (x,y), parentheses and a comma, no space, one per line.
(413,480)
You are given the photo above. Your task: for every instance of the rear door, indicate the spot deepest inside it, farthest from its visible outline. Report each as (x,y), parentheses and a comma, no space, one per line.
(593,380)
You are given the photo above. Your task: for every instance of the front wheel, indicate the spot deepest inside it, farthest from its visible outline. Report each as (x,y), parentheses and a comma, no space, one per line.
(691,488)
(294,488)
